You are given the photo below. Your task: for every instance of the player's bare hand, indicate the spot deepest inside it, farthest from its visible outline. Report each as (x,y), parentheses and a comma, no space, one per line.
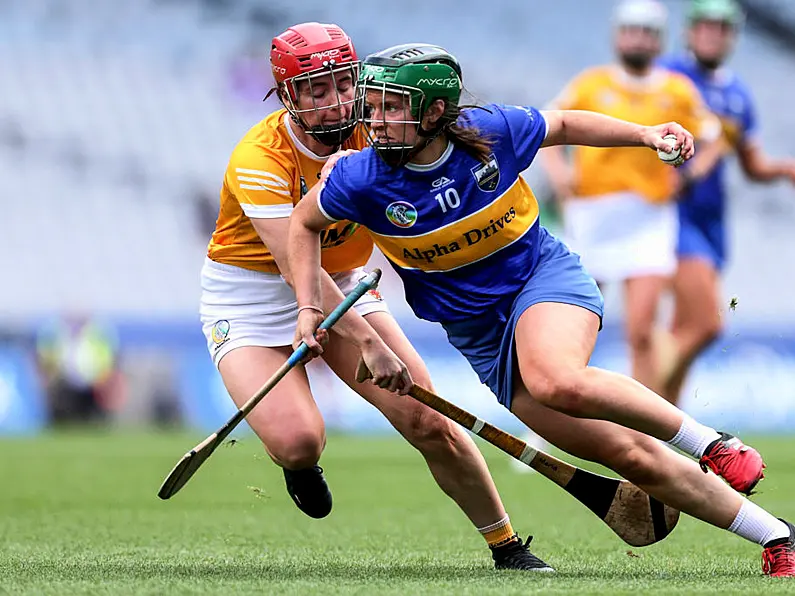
(382,366)
(333,158)
(654,137)
(306,331)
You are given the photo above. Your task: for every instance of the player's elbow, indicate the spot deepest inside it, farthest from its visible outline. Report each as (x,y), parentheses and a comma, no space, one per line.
(756,168)
(754,174)
(758,174)
(301,224)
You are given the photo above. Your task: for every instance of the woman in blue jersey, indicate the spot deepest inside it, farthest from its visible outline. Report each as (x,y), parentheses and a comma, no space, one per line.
(701,250)
(441,193)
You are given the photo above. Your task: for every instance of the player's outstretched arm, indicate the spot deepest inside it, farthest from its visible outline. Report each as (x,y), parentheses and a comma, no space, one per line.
(580,127)
(761,168)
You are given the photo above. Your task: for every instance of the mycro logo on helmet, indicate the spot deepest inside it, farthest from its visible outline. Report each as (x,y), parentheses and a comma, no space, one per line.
(401,214)
(279,70)
(326,54)
(450,83)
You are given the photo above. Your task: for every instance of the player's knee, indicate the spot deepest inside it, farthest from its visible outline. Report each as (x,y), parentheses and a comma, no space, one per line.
(699,333)
(636,461)
(709,329)
(563,391)
(640,338)
(429,431)
(298,449)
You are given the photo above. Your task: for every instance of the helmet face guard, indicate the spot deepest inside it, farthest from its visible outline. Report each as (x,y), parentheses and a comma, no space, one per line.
(328,134)
(726,12)
(303,55)
(394,151)
(417,73)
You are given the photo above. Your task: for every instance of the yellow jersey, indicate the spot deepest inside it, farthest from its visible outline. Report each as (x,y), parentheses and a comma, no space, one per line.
(269,172)
(661,97)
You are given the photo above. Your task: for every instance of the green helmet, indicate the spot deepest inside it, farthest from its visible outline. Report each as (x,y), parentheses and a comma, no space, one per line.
(421,73)
(728,11)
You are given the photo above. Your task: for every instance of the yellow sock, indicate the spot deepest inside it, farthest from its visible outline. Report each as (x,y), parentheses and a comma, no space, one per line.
(499,533)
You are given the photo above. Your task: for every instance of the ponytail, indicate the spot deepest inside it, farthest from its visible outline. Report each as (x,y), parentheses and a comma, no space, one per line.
(468,138)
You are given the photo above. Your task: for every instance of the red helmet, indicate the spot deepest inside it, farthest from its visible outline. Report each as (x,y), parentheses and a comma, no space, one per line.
(305,52)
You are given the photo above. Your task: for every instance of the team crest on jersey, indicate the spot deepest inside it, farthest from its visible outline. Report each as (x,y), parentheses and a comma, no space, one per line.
(487,175)
(220,333)
(402,214)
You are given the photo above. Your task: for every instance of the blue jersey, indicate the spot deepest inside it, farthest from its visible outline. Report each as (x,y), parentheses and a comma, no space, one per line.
(731,101)
(462,234)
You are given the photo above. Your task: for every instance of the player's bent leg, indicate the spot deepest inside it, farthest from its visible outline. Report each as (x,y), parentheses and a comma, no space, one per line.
(669,477)
(642,298)
(554,342)
(697,321)
(288,422)
(452,456)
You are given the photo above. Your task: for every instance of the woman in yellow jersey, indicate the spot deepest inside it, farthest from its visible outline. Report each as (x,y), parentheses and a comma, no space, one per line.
(249,311)
(619,207)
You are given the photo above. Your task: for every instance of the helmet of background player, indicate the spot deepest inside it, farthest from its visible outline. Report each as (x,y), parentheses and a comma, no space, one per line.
(396,87)
(315,68)
(639,32)
(712,30)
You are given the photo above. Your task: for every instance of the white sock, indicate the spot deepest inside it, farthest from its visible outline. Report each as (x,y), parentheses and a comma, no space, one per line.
(757,525)
(693,437)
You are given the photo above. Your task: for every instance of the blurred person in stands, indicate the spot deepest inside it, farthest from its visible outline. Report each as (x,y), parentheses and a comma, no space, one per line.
(78,359)
(249,310)
(619,210)
(712,30)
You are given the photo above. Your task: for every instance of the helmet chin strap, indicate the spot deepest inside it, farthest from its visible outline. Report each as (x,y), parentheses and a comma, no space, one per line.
(426,138)
(332,138)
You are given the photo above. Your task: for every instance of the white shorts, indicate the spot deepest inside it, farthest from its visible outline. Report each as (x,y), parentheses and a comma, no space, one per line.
(240,307)
(621,236)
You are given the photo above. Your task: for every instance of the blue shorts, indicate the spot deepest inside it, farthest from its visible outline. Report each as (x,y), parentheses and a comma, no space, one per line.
(488,341)
(701,240)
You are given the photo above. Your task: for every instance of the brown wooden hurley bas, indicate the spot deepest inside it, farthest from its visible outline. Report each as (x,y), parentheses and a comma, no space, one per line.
(637,518)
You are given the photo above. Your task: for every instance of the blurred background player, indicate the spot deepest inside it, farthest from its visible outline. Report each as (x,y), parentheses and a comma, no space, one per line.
(713,26)
(618,203)
(78,362)
(249,311)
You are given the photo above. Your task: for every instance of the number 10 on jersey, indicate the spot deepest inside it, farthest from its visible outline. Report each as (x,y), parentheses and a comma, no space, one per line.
(450,199)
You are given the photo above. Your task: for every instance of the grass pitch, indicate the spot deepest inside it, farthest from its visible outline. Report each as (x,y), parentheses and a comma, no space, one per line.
(79,515)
